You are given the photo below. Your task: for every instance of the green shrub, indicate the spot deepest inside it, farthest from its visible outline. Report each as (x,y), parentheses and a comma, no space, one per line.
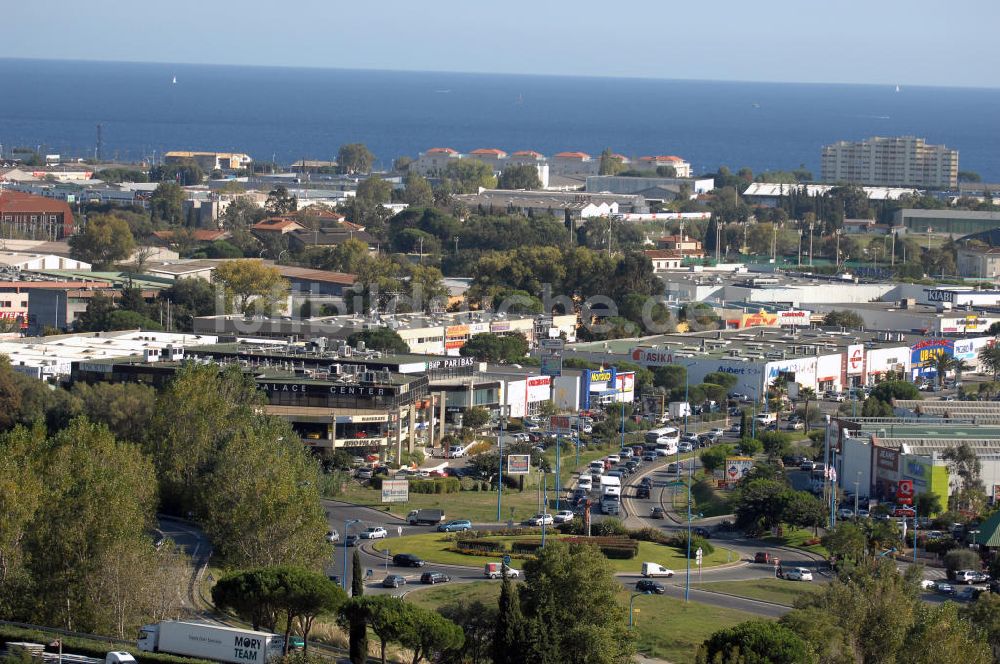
(649,534)
(480,545)
(439,485)
(961,559)
(679,542)
(817,435)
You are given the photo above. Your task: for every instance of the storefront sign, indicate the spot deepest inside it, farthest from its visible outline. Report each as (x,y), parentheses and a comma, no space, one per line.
(794,318)
(886,458)
(450,363)
(361,419)
(299,388)
(456,331)
(652,357)
(855,359)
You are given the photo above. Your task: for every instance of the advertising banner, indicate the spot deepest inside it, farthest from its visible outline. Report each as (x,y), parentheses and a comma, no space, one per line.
(560,423)
(596,380)
(904,492)
(758,320)
(887,459)
(736,468)
(518,464)
(652,357)
(551,365)
(538,389)
(922,354)
(395,491)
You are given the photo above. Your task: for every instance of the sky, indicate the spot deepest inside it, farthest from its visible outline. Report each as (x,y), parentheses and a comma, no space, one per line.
(912,42)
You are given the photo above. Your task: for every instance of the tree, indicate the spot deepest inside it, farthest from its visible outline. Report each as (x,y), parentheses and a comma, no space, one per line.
(417,191)
(305,595)
(467,176)
(845,541)
(386,616)
(890,390)
(427,633)
(186,172)
(508,634)
(353,616)
(756,642)
(965,472)
(354,158)
(253,595)
(804,510)
(611,164)
(989,357)
(984,615)
(476,418)
(250,285)
(760,504)
(374,191)
(280,202)
(957,559)
(191,297)
(477,621)
(807,394)
(380,338)
(565,625)
(99,504)
(489,347)
(714,457)
(844,318)
(357,578)
(125,408)
(166,204)
(670,377)
(522,176)
(21,495)
(928,504)
(942,363)
(105,240)
(261,504)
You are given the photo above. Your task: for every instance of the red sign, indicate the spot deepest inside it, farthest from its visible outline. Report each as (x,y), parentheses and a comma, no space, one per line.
(856,357)
(904,492)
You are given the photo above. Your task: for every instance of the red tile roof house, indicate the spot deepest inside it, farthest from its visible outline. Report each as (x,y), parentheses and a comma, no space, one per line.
(573,163)
(35,217)
(279,225)
(491,156)
(664,260)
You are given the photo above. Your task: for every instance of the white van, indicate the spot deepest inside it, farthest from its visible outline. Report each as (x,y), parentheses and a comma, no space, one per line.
(586,482)
(597,467)
(655,569)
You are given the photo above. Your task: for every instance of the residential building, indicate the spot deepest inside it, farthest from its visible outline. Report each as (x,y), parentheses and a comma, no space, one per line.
(574,163)
(210,161)
(684,245)
(433,162)
(664,260)
(299,240)
(277,226)
(493,157)
(904,161)
(36,217)
(682,169)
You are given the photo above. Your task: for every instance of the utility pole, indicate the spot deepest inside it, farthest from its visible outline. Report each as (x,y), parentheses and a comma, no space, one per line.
(810,244)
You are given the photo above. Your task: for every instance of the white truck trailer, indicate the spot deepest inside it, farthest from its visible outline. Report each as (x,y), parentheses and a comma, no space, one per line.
(207,641)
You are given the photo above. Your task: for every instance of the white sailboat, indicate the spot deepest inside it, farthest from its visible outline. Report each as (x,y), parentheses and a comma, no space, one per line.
(897,87)
(175,80)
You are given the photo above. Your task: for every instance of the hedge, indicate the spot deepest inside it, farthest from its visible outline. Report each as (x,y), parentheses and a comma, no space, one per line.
(437,485)
(480,545)
(619,548)
(95,647)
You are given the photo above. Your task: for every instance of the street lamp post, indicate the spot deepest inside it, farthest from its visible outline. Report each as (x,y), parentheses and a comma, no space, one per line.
(558,471)
(857,483)
(500,470)
(631,601)
(347,524)
(545,505)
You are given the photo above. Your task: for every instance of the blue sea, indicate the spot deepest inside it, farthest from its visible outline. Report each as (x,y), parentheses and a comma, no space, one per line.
(287,114)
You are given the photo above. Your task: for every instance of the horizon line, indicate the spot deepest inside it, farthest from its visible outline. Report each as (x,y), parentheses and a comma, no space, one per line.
(900,84)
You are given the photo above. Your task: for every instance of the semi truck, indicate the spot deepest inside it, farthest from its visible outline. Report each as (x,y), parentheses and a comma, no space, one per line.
(207,641)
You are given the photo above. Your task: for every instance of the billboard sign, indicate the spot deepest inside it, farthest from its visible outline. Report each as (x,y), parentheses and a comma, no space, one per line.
(904,492)
(652,357)
(922,354)
(761,319)
(538,389)
(395,491)
(736,468)
(552,344)
(551,365)
(887,458)
(560,423)
(518,464)
(855,359)
(605,380)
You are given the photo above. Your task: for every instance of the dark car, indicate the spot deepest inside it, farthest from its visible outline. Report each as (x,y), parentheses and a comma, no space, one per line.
(646,481)
(434,577)
(702,532)
(393,581)
(763,557)
(650,586)
(407,560)
(351,540)
(657,513)
(642,491)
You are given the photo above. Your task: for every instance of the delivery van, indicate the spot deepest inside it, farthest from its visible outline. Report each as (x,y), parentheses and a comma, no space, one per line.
(655,569)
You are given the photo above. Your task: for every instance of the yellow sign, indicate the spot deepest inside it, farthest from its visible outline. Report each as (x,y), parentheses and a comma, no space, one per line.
(759,320)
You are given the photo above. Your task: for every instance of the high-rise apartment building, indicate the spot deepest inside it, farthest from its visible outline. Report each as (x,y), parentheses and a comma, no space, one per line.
(904,161)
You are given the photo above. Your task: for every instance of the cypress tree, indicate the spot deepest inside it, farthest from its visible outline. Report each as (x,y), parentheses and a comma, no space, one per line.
(508,635)
(743,424)
(358,632)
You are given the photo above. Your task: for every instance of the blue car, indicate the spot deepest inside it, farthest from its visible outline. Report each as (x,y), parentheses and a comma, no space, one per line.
(455,526)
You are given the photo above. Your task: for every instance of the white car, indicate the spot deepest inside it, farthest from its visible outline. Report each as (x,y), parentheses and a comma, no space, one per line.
(564,516)
(332,536)
(663,452)
(541,520)
(456,451)
(716,432)
(844,513)
(376,532)
(685,447)
(627,453)
(614,458)
(799,574)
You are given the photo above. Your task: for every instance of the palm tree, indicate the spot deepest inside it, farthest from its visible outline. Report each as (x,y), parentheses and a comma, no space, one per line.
(806,394)
(942,365)
(960,367)
(989,356)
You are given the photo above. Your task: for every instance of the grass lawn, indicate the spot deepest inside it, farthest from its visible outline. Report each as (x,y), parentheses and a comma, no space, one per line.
(481,506)
(797,538)
(433,547)
(664,627)
(778,591)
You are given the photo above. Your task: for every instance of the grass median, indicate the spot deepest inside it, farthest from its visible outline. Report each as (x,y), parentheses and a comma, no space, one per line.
(435,548)
(664,627)
(778,591)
